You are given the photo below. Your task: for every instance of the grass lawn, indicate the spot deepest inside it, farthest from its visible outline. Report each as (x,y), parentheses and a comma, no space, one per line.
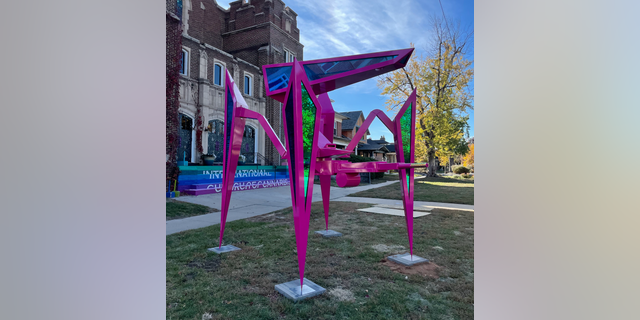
(178,209)
(387,177)
(360,282)
(449,190)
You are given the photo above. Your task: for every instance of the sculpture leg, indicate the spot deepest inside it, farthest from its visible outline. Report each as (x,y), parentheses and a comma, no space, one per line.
(228,176)
(325,185)
(301,225)
(406,179)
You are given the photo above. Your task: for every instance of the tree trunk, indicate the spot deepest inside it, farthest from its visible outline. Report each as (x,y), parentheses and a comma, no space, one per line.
(431,170)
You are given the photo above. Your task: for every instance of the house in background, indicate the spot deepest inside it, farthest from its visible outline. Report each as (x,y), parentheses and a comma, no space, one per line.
(373,150)
(348,123)
(389,147)
(339,139)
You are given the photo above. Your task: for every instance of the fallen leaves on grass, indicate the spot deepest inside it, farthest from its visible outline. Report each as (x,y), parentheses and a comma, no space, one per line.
(386,248)
(342,294)
(427,269)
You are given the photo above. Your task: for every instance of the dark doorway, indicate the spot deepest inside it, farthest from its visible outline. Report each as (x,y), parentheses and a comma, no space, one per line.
(215,139)
(186,127)
(249,144)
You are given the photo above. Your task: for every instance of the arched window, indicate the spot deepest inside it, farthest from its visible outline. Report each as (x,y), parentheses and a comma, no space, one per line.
(248,84)
(248,148)
(186,138)
(184,62)
(215,139)
(217,74)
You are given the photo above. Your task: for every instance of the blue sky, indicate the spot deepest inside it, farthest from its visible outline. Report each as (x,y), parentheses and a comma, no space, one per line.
(332,28)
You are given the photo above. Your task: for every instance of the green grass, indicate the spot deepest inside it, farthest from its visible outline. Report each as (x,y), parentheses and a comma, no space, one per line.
(240,285)
(178,209)
(448,190)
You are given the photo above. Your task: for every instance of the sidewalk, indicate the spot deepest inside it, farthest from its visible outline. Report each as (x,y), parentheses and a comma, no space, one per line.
(416,204)
(249,203)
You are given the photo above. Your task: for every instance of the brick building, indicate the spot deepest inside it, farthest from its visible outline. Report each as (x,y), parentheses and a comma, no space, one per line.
(241,39)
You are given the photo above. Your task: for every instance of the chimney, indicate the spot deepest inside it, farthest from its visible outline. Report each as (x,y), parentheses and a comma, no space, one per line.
(382,138)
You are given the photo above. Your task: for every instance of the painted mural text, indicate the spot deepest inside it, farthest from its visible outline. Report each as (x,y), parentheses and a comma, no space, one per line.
(250,185)
(241,174)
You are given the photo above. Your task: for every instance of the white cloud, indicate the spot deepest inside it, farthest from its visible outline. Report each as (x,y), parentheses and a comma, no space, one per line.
(346,27)
(332,28)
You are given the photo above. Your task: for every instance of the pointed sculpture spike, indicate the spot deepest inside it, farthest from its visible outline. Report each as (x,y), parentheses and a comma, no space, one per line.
(302,120)
(234,130)
(404,137)
(325,185)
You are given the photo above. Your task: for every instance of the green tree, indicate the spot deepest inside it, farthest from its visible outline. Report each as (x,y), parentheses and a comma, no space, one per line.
(441,78)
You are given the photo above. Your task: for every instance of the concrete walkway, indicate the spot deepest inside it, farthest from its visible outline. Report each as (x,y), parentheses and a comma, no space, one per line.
(249,203)
(416,204)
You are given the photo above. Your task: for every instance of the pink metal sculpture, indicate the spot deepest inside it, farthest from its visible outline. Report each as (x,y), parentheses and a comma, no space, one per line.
(235,112)
(302,87)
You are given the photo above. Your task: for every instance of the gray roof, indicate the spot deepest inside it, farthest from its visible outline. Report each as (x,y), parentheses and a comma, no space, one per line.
(348,124)
(381,141)
(371,145)
(341,138)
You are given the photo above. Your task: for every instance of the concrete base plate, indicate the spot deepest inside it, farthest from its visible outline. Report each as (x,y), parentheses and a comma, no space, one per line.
(224,249)
(415,207)
(291,289)
(405,259)
(329,233)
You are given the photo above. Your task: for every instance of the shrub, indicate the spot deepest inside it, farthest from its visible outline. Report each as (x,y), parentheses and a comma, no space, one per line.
(353,158)
(460,169)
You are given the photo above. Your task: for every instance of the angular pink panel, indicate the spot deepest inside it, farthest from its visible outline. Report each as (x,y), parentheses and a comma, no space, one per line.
(326,75)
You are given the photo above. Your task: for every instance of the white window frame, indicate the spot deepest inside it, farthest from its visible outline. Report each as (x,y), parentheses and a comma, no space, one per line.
(222,72)
(244,84)
(188,60)
(288,55)
(335,128)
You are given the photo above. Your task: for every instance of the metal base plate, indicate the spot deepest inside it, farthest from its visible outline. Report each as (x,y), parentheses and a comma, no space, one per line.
(406,259)
(329,233)
(291,289)
(224,249)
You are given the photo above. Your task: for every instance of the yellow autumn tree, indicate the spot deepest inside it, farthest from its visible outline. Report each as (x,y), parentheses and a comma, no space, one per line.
(467,161)
(441,78)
